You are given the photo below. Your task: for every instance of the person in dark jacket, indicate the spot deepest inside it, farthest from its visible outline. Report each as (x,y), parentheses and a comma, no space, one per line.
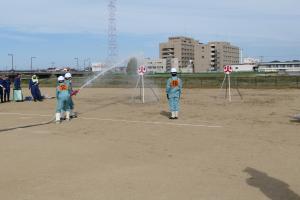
(17,82)
(1,88)
(7,89)
(18,96)
(34,88)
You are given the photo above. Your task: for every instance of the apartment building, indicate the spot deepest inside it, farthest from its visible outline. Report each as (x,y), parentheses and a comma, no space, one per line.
(203,58)
(215,55)
(194,56)
(182,48)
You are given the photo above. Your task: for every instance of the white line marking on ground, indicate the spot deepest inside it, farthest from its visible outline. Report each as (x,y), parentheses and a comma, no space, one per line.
(22,114)
(153,123)
(122,120)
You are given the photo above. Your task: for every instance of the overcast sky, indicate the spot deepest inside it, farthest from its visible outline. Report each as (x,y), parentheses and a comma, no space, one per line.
(60,30)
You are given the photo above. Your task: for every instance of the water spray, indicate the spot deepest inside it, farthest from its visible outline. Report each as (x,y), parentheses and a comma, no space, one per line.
(75,92)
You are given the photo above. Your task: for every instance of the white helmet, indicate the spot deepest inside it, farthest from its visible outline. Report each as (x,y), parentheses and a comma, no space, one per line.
(173,70)
(68,75)
(61,78)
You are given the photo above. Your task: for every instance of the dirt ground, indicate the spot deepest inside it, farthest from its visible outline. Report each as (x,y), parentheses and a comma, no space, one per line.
(247,149)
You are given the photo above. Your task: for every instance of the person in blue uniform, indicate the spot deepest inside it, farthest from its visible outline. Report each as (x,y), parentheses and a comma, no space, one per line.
(7,89)
(68,81)
(34,88)
(173,90)
(1,89)
(17,82)
(18,96)
(63,99)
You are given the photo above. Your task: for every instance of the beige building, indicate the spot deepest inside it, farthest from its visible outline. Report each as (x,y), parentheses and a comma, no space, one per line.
(215,55)
(159,65)
(182,48)
(194,56)
(155,66)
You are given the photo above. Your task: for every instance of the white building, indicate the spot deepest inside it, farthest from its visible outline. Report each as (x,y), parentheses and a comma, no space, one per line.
(156,66)
(248,65)
(97,67)
(250,61)
(159,65)
(276,66)
(243,67)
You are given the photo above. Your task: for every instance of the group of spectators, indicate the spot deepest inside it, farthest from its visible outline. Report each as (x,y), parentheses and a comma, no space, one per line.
(5,89)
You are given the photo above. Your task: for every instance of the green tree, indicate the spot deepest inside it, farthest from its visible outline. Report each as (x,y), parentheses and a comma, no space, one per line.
(132,66)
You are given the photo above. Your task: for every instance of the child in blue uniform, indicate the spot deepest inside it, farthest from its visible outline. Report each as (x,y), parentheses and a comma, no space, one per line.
(173,90)
(63,98)
(68,80)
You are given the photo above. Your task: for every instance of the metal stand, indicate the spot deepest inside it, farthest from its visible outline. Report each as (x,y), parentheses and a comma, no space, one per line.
(228,87)
(141,84)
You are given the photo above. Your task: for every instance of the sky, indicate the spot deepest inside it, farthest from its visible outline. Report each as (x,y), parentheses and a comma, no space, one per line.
(57,31)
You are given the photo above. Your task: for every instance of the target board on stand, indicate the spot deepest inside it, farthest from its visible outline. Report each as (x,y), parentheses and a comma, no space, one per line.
(228,69)
(141,70)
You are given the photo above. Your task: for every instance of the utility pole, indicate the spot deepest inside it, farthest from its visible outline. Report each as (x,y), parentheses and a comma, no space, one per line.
(84,63)
(12,61)
(90,64)
(31,64)
(261,58)
(77,63)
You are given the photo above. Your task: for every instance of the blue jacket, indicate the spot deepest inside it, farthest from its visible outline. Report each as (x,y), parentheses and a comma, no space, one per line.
(17,84)
(69,83)
(62,91)
(32,84)
(174,87)
(2,84)
(7,84)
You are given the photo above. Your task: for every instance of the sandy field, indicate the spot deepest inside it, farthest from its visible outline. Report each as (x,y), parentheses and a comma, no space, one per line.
(122,150)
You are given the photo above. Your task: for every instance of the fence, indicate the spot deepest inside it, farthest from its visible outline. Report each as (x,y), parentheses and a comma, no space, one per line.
(275,82)
(117,81)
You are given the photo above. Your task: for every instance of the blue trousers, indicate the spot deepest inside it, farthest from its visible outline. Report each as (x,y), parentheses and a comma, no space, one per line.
(1,94)
(71,103)
(36,93)
(6,94)
(63,104)
(174,104)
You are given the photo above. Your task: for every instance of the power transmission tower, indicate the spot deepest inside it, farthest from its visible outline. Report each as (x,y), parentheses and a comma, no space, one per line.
(112,33)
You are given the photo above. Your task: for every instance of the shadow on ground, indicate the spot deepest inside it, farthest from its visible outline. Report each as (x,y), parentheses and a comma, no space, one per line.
(27,126)
(273,188)
(165,114)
